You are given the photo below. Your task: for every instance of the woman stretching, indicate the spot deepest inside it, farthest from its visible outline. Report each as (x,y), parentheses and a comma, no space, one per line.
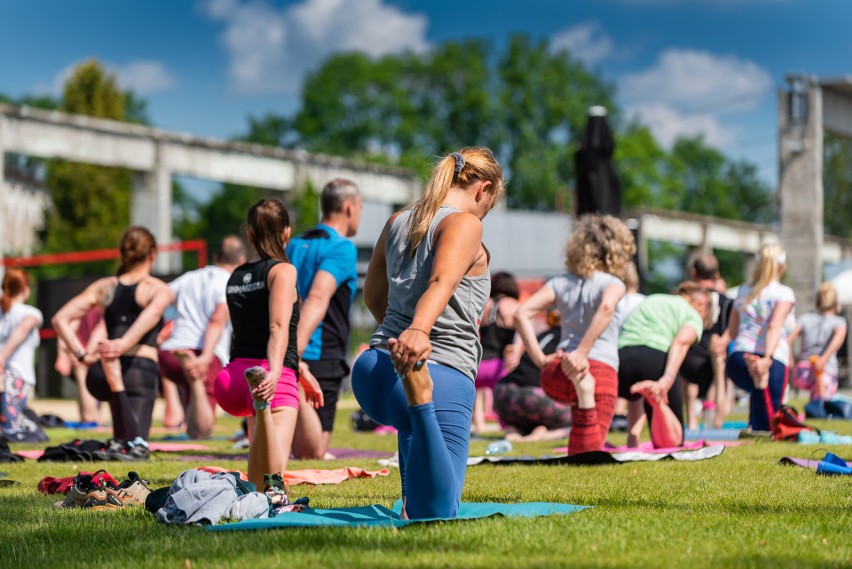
(261,379)
(497,336)
(133,303)
(584,372)
(427,285)
(761,353)
(822,333)
(653,342)
(19,324)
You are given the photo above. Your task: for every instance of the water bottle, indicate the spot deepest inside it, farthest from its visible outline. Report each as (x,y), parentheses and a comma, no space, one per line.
(709,414)
(498,447)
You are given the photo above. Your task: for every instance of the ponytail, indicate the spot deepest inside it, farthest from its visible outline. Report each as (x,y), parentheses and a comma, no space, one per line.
(771,259)
(137,244)
(15,281)
(458,169)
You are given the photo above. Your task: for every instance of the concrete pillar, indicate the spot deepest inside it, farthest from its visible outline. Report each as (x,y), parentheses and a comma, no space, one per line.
(800,188)
(151,205)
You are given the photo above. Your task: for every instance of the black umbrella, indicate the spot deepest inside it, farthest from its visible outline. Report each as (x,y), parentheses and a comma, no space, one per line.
(598,187)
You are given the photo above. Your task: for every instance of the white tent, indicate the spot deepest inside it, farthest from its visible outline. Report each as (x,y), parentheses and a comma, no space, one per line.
(843,285)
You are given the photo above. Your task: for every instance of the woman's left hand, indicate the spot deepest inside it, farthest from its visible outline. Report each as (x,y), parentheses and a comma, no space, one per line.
(411,349)
(111,349)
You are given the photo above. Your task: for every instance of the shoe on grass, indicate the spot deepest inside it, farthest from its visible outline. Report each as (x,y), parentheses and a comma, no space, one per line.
(276,493)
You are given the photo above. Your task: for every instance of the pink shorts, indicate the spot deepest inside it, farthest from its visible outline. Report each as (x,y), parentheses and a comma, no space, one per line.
(232,390)
(489,373)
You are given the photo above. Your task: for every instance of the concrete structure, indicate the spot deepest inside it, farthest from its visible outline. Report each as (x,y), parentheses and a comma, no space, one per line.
(155,155)
(806,109)
(21,214)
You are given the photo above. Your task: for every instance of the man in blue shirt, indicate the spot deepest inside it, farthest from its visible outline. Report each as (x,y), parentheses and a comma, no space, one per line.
(325,261)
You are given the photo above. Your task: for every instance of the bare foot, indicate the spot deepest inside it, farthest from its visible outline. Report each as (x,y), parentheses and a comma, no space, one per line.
(254,376)
(760,380)
(418,386)
(585,387)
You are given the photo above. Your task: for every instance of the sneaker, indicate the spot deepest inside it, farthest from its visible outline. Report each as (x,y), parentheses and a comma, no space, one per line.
(276,493)
(83,489)
(131,492)
(125,451)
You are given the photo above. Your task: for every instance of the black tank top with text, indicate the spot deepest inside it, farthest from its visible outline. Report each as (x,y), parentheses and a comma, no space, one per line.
(248,302)
(123,311)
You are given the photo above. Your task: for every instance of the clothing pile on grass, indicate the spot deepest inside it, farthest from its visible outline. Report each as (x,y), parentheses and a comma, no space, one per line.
(787,425)
(91,450)
(196,497)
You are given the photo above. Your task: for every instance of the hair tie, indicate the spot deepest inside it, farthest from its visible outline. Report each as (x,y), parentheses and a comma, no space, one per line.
(459,162)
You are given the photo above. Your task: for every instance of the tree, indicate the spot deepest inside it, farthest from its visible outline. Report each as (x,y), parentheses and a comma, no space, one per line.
(837,185)
(91,204)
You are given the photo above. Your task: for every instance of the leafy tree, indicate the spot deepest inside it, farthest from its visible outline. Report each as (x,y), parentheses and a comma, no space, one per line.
(91,204)
(837,185)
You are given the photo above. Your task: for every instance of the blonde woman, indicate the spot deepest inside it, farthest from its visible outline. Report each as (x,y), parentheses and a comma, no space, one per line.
(583,373)
(761,353)
(822,333)
(427,285)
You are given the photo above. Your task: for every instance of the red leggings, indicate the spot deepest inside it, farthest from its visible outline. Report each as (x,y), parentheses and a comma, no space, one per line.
(589,427)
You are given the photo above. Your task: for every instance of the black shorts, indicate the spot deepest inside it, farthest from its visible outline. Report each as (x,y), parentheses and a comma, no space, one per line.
(698,369)
(640,363)
(330,375)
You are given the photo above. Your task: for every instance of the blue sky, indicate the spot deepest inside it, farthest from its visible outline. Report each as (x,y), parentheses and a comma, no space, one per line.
(685,67)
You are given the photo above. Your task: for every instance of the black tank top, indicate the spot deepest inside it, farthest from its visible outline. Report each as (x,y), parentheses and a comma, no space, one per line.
(494,338)
(123,311)
(248,303)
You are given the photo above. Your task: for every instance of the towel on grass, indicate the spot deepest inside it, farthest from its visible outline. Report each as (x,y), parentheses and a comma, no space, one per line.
(830,464)
(308,476)
(602,457)
(379,516)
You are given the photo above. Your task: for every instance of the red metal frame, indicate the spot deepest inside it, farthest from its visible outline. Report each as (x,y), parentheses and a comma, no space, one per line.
(199,245)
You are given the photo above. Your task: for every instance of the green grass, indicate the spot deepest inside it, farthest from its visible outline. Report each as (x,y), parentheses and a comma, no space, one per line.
(741,509)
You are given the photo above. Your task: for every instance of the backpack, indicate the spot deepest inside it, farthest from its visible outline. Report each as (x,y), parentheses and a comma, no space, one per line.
(786,426)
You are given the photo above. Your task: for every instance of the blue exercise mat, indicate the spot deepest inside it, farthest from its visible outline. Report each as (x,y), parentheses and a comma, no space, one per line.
(379,516)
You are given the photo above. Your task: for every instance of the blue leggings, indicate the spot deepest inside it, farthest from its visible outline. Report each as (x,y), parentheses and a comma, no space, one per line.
(763,403)
(433,437)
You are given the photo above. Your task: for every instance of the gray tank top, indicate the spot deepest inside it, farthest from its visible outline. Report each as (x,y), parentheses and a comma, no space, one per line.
(455,335)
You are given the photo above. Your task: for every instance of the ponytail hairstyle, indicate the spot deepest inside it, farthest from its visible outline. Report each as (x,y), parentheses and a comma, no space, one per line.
(827,298)
(15,281)
(691,290)
(459,169)
(771,261)
(137,244)
(267,220)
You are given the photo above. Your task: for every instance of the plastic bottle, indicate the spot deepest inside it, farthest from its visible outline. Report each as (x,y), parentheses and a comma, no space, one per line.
(498,447)
(709,414)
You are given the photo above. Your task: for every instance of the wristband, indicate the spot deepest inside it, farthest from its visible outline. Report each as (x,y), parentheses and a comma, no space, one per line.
(81,357)
(419,330)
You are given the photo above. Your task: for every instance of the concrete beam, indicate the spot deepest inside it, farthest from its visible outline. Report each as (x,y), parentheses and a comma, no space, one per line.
(51,134)
(837,105)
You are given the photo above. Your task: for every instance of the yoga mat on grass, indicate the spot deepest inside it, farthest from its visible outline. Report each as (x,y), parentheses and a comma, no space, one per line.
(649,447)
(35,454)
(602,457)
(725,435)
(339,454)
(829,464)
(379,516)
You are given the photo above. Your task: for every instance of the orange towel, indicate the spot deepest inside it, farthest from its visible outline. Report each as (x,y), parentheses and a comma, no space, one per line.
(308,476)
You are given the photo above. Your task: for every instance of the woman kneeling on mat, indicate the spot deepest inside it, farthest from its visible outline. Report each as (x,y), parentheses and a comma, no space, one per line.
(761,353)
(583,373)
(127,374)
(653,343)
(261,379)
(427,285)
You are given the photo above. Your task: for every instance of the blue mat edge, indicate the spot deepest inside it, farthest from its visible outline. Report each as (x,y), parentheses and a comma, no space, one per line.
(467,511)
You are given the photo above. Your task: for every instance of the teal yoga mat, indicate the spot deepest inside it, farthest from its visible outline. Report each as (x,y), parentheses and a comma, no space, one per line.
(379,516)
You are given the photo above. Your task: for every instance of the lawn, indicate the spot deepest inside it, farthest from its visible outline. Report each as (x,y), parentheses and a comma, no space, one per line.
(741,509)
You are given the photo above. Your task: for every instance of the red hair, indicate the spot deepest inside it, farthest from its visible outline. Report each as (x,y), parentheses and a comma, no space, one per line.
(15,281)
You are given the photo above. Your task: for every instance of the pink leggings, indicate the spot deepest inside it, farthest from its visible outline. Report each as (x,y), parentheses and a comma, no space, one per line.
(234,396)
(489,373)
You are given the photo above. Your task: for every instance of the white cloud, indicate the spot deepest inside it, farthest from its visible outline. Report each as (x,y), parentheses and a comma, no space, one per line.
(270,49)
(687,91)
(141,76)
(145,77)
(587,42)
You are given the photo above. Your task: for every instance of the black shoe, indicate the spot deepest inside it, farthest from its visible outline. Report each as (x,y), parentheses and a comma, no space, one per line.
(126,451)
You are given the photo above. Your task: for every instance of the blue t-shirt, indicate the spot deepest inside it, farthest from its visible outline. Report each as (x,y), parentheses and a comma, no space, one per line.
(324,249)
